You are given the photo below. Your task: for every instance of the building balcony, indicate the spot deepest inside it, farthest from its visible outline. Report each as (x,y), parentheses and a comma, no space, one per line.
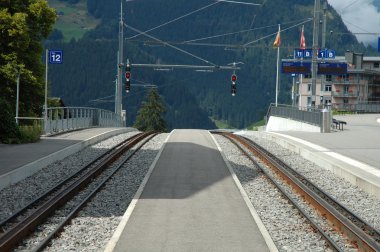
(345,82)
(344,94)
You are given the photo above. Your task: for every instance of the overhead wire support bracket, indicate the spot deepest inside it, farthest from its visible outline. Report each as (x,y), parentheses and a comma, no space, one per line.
(195,67)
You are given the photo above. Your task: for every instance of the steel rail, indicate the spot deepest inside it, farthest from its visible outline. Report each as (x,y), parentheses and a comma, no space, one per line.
(37,201)
(21,230)
(361,234)
(42,245)
(333,245)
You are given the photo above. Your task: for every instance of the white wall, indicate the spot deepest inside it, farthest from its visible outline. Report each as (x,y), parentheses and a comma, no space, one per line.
(284,124)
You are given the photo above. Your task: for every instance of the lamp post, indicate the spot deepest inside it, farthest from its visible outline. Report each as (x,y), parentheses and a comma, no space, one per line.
(314,63)
(18,93)
(46,86)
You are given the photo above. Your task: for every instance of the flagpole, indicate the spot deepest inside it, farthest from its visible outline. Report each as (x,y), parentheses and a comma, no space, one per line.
(278,66)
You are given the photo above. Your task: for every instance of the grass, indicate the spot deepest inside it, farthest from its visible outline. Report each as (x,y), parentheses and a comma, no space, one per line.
(30,134)
(221,124)
(27,134)
(256,125)
(75,21)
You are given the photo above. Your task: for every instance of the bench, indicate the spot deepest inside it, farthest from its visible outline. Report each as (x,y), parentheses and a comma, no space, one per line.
(338,123)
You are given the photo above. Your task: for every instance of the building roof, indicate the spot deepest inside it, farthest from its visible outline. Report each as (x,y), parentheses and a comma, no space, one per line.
(371,58)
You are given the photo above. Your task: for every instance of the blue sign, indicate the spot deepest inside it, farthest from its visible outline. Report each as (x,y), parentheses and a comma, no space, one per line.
(332,68)
(326,54)
(55,56)
(308,53)
(303,53)
(290,67)
(299,53)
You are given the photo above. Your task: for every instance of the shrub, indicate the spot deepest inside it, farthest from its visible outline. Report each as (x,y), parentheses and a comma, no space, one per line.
(30,134)
(9,131)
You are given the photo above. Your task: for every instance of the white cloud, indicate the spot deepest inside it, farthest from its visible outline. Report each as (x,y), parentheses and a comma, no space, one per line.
(359,16)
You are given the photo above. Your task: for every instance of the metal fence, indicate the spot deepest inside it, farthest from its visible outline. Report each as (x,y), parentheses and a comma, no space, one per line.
(368,107)
(61,119)
(307,115)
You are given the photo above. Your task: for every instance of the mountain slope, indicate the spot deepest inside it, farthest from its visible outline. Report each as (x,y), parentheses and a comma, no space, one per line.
(90,64)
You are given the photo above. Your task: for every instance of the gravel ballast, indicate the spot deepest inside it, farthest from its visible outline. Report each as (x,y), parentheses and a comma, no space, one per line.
(365,206)
(18,195)
(96,223)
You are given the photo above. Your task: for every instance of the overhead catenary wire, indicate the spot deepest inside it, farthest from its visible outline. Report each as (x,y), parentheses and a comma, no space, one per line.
(241,46)
(242,31)
(237,2)
(349,5)
(176,19)
(360,28)
(167,44)
(291,27)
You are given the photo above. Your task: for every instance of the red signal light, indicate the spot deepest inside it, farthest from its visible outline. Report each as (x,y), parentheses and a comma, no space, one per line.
(233,78)
(128,75)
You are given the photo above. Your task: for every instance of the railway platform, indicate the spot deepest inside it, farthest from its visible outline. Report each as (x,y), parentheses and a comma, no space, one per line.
(18,161)
(190,201)
(352,153)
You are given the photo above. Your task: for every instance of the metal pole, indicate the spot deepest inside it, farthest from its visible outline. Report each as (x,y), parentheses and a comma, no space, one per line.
(323,46)
(116,83)
(120,60)
(278,67)
(323,43)
(18,94)
(46,85)
(315,52)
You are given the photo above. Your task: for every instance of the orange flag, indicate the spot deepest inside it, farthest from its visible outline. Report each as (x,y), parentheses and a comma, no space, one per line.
(302,40)
(277,41)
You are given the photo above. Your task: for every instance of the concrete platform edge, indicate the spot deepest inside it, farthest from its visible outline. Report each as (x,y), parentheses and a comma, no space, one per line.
(351,173)
(268,239)
(119,230)
(29,169)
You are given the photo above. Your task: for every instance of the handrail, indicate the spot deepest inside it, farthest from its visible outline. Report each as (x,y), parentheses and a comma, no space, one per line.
(60,119)
(303,114)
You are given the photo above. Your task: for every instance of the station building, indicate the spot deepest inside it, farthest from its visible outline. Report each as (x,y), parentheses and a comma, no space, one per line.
(361,85)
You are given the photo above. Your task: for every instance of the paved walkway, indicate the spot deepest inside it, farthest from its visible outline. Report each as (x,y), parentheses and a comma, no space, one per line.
(18,161)
(191,203)
(360,139)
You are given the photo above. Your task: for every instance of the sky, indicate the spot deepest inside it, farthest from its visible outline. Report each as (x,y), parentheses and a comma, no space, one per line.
(360,16)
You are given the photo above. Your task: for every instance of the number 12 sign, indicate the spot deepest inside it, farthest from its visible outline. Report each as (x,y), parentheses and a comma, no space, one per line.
(55,56)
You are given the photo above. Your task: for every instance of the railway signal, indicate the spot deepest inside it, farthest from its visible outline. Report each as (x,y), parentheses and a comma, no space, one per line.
(233,87)
(128,78)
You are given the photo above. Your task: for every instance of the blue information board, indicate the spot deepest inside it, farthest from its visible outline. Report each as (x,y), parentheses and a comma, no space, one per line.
(290,67)
(332,68)
(55,56)
(308,54)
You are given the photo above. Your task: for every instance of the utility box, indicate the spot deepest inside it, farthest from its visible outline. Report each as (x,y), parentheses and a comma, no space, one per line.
(326,121)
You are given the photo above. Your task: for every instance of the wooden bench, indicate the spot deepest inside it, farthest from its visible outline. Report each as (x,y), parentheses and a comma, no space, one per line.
(338,123)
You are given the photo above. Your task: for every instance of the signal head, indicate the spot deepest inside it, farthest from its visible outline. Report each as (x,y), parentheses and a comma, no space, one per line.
(234,78)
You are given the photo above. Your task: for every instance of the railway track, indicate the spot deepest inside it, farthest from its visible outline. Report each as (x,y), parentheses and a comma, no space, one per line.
(21,224)
(362,235)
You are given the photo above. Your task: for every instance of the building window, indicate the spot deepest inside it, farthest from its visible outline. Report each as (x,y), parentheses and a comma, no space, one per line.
(345,89)
(376,65)
(308,101)
(328,77)
(309,87)
(307,76)
(327,101)
(328,87)
(344,77)
(345,101)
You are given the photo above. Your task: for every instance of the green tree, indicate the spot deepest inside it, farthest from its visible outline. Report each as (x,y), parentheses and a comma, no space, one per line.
(24,24)
(149,116)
